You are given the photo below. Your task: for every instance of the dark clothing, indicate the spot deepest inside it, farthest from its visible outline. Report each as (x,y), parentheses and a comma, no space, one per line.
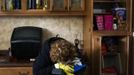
(43,64)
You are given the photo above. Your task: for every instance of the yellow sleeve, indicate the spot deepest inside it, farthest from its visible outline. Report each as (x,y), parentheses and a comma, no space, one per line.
(68,69)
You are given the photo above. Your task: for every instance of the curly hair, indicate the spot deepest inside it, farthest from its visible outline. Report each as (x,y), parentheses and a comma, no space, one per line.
(62,51)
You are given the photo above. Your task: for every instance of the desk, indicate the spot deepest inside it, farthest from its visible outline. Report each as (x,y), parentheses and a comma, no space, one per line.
(10,67)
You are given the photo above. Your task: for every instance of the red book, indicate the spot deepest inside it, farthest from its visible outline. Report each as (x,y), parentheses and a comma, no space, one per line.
(100,22)
(108,22)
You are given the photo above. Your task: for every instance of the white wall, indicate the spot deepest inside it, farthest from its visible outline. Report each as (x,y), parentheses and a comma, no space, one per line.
(67,27)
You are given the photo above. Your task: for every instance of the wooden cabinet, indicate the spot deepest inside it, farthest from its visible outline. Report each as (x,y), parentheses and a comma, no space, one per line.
(111,52)
(108,20)
(42,7)
(16,71)
(110,37)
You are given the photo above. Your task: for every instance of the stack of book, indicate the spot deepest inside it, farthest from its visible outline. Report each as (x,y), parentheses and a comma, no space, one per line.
(17,4)
(116,20)
(103,22)
(36,4)
(31,4)
(8,5)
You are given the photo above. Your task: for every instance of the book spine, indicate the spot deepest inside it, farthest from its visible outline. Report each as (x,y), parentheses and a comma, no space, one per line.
(7,5)
(108,22)
(33,4)
(18,4)
(14,5)
(45,3)
(41,3)
(99,22)
(29,4)
(3,5)
(10,5)
(94,23)
(121,13)
(0,5)
(37,4)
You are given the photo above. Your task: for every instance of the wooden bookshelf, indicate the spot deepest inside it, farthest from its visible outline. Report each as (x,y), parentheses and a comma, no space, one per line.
(40,13)
(68,9)
(106,7)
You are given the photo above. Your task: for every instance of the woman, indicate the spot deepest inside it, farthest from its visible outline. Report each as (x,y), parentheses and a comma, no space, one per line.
(55,50)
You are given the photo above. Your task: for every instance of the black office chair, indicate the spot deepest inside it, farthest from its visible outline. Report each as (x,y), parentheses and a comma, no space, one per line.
(26,42)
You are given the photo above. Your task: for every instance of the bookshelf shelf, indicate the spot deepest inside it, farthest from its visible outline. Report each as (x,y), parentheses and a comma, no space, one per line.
(41,13)
(108,1)
(111,33)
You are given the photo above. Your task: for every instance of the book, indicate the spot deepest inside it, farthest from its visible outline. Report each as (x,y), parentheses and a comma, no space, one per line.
(121,13)
(17,4)
(9,5)
(98,11)
(45,4)
(29,4)
(0,5)
(33,4)
(94,23)
(38,4)
(3,5)
(108,23)
(13,2)
(99,22)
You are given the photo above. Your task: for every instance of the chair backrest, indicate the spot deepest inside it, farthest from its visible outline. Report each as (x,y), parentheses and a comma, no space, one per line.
(26,42)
